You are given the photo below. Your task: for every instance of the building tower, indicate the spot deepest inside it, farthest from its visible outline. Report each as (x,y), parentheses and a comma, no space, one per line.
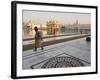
(28,28)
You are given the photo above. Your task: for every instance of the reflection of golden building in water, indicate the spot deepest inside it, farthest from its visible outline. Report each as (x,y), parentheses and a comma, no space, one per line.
(52,27)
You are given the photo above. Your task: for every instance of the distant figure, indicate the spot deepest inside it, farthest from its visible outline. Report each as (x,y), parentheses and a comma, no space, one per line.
(38,38)
(81,31)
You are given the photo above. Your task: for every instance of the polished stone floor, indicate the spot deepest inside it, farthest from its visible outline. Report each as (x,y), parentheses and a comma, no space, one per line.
(79,49)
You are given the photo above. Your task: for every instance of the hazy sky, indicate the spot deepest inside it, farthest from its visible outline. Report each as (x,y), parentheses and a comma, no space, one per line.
(41,17)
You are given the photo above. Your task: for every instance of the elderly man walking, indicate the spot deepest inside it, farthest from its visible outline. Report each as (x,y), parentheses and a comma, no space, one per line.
(38,39)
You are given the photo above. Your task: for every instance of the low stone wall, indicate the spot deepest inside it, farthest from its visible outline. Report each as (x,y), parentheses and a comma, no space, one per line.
(50,36)
(46,43)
